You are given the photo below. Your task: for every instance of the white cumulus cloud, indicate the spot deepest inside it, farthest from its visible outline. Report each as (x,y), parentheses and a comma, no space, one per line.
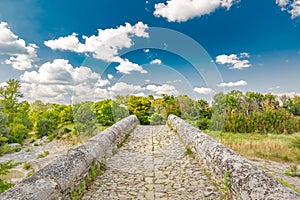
(70,43)
(233,84)
(122,88)
(288,94)
(291,6)
(275,88)
(105,45)
(156,61)
(20,55)
(126,67)
(60,82)
(203,90)
(162,89)
(110,76)
(234,61)
(183,10)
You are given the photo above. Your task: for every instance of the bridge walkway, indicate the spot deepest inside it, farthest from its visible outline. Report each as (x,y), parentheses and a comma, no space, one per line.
(153,164)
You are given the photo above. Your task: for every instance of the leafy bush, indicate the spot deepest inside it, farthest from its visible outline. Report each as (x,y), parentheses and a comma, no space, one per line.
(4,169)
(18,133)
(45,127)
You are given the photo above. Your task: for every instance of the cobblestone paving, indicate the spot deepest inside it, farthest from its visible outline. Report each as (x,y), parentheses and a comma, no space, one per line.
(152,165)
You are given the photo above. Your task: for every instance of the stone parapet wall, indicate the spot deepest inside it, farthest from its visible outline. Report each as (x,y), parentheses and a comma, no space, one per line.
(247,181)
(54,180)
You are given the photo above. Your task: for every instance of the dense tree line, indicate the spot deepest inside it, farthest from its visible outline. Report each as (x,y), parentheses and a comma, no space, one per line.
(255,113)
(232,112)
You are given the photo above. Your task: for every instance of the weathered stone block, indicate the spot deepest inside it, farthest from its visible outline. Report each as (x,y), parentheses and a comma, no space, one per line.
(56,178)
(34,188)
(247,181)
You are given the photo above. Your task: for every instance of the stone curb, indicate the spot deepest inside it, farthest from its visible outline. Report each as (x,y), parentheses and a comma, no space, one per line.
(55,179)
(247,181)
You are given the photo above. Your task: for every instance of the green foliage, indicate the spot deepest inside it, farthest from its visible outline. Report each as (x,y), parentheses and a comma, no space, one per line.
(18,133)
(5,186)
(253,113)
(103,110)
(85,118)
(157,119)
(4,169)
(189,152)
(4,130)
(207,173)
(5,149)
(287,184)
(26,166)
(292,171)
(96,169)
(140,106)
(171,105)
(124,140)
(43,155)
(14,120)
(119,110)
(235,112)
(9,95)
(226,185)
(45,127)
(32,171)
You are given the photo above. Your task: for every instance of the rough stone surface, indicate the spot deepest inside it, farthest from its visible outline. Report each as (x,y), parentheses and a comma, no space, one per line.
(278,170)
(29,154)
(57,177)
(247,181)
(152,165)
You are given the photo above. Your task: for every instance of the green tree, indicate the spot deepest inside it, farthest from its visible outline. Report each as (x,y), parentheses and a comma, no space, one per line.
(66,116)
(17,112)
(4,130)
(171,105)
(140,106)
(120,111)
(45,127)
(204,113)
(103,110)
(218,111)
(9,96)
(295,106)
(157,119)
(85,118)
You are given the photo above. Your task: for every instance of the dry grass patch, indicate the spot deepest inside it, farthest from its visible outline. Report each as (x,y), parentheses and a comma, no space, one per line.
(283,148)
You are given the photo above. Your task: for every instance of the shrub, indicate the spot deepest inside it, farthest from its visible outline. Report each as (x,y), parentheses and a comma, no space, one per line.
(45,127)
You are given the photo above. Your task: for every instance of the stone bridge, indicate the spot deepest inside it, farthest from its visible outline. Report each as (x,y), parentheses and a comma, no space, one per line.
(173,161)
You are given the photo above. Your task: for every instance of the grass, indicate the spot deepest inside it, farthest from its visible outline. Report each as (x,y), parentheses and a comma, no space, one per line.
(26,166)
(207,173)
(226,185)
(43,155)
(188,152)
(5,149)
(30,173)
(123,141)
(292,171)
(96,169)
(283,148)
(4,169)
(287,184)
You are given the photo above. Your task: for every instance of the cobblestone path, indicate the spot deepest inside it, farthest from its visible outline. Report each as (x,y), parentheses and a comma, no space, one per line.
(152,165)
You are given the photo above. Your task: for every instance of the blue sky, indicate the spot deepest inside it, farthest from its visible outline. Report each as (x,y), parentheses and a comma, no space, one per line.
(196,47)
